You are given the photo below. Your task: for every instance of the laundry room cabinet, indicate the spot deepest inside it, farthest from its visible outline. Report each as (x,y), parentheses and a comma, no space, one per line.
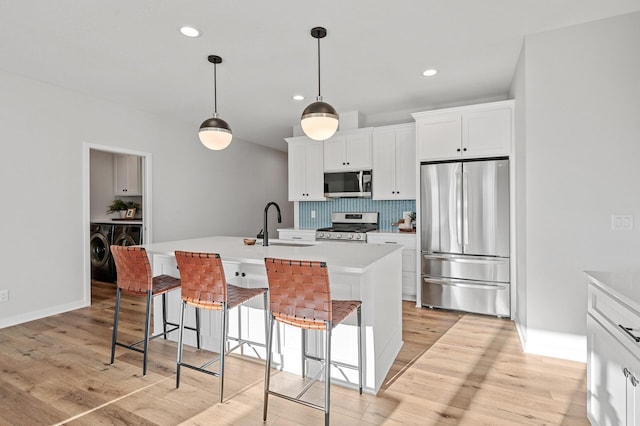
(127,175)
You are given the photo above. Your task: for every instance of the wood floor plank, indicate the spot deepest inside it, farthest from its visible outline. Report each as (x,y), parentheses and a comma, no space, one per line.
(453,369)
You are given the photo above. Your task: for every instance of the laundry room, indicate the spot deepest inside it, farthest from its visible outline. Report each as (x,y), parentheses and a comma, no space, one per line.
(116,200)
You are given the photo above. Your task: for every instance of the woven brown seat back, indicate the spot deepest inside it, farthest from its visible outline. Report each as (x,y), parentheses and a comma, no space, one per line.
(299,289)
(202,276)
(133,268)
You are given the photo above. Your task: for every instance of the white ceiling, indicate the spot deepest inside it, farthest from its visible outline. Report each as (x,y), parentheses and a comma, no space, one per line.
(130,52)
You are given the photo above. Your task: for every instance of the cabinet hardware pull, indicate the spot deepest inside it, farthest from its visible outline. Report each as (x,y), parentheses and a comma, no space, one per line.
(464,149)
(243,274)
(634,381)
(458,149)
(629,330)
(626,372)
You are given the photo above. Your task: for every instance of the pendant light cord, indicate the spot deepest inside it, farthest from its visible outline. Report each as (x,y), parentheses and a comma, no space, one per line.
(215,93)
(319,96)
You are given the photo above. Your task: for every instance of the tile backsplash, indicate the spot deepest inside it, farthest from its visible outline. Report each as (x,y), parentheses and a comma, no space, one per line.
(388,211)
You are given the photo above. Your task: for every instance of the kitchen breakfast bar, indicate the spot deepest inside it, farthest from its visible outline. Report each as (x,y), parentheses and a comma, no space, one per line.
(371,273)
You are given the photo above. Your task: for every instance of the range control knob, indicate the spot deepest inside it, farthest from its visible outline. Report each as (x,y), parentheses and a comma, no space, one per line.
(351,236)
(358,236)
(338,236)
(319,235)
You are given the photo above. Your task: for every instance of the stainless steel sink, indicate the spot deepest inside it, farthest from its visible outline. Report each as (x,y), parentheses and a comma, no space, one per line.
(278,243)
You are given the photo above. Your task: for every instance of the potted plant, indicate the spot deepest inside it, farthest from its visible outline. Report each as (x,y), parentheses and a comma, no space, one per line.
(118,206)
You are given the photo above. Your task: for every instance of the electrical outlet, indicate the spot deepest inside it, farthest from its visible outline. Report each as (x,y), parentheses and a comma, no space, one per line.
(313,214)
(4,296)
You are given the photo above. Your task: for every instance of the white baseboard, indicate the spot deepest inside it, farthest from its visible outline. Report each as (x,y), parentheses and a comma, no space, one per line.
(553,344)
(43,313)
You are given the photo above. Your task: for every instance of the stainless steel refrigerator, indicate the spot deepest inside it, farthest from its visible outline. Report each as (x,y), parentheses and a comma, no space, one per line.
(465,236)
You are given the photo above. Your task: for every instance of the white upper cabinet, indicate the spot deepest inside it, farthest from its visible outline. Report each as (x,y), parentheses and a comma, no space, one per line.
(394,162)
(306,174)
(348,150)
(127,175)
(475,131)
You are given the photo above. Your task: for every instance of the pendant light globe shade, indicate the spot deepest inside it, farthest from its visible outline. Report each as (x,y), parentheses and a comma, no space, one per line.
(215,134)
(319,121)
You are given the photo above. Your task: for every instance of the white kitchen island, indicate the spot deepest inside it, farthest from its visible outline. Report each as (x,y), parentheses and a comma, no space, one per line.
(371,273)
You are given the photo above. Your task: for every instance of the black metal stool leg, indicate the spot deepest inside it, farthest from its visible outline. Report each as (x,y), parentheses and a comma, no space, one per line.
(197,328)
(180,334)
(116,316)
(223,347)
(267,374)
(164,315)
(147,326)
(327,373)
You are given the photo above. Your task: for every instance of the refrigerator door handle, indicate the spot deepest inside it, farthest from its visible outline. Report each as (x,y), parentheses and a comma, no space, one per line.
(465,207)
(458,208)
(471,284)
(475,259)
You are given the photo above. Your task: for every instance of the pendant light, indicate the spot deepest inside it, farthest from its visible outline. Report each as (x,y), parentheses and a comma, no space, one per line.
(215,133)
(319,120)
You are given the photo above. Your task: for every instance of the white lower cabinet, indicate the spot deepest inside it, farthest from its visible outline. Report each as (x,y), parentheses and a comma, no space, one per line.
(409,242)
(613,360)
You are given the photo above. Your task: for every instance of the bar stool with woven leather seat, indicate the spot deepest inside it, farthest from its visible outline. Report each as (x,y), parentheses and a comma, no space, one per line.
(204,286)
(300,296)
(135,279)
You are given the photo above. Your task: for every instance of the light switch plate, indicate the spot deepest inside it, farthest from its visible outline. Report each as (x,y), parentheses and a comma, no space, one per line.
(621,222)
(4,296)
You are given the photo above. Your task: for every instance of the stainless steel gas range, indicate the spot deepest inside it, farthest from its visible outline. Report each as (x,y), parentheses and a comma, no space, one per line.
(349,227)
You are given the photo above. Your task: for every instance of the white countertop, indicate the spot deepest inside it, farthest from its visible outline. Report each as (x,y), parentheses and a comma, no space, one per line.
(623,284)
(340,256)
(119,222)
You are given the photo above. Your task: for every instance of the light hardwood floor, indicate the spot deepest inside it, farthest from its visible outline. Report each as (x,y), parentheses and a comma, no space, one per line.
(453,369)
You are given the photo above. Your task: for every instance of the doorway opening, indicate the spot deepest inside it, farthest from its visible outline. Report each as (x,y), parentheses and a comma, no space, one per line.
(111,174)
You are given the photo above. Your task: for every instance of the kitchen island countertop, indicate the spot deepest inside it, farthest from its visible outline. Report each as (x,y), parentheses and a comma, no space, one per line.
(625,285)
(340,256)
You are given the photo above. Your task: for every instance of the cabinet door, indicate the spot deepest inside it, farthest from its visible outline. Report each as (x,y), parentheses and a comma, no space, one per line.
(384,165)
(358,151)
(297,171)
(314,173)
(405,160)
(439,136)
(126,175)
(334,153)
(486,133)
(611,393)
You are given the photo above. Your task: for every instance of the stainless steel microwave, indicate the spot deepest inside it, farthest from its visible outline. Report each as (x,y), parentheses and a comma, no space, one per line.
(348,184)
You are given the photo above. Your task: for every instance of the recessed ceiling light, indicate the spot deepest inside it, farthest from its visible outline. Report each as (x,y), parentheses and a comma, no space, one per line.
(298,97)
(189,31)
(430,72)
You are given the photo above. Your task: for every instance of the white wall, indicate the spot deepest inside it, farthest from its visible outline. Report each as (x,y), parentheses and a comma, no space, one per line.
(582,148)
(196,192)
(518,92)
